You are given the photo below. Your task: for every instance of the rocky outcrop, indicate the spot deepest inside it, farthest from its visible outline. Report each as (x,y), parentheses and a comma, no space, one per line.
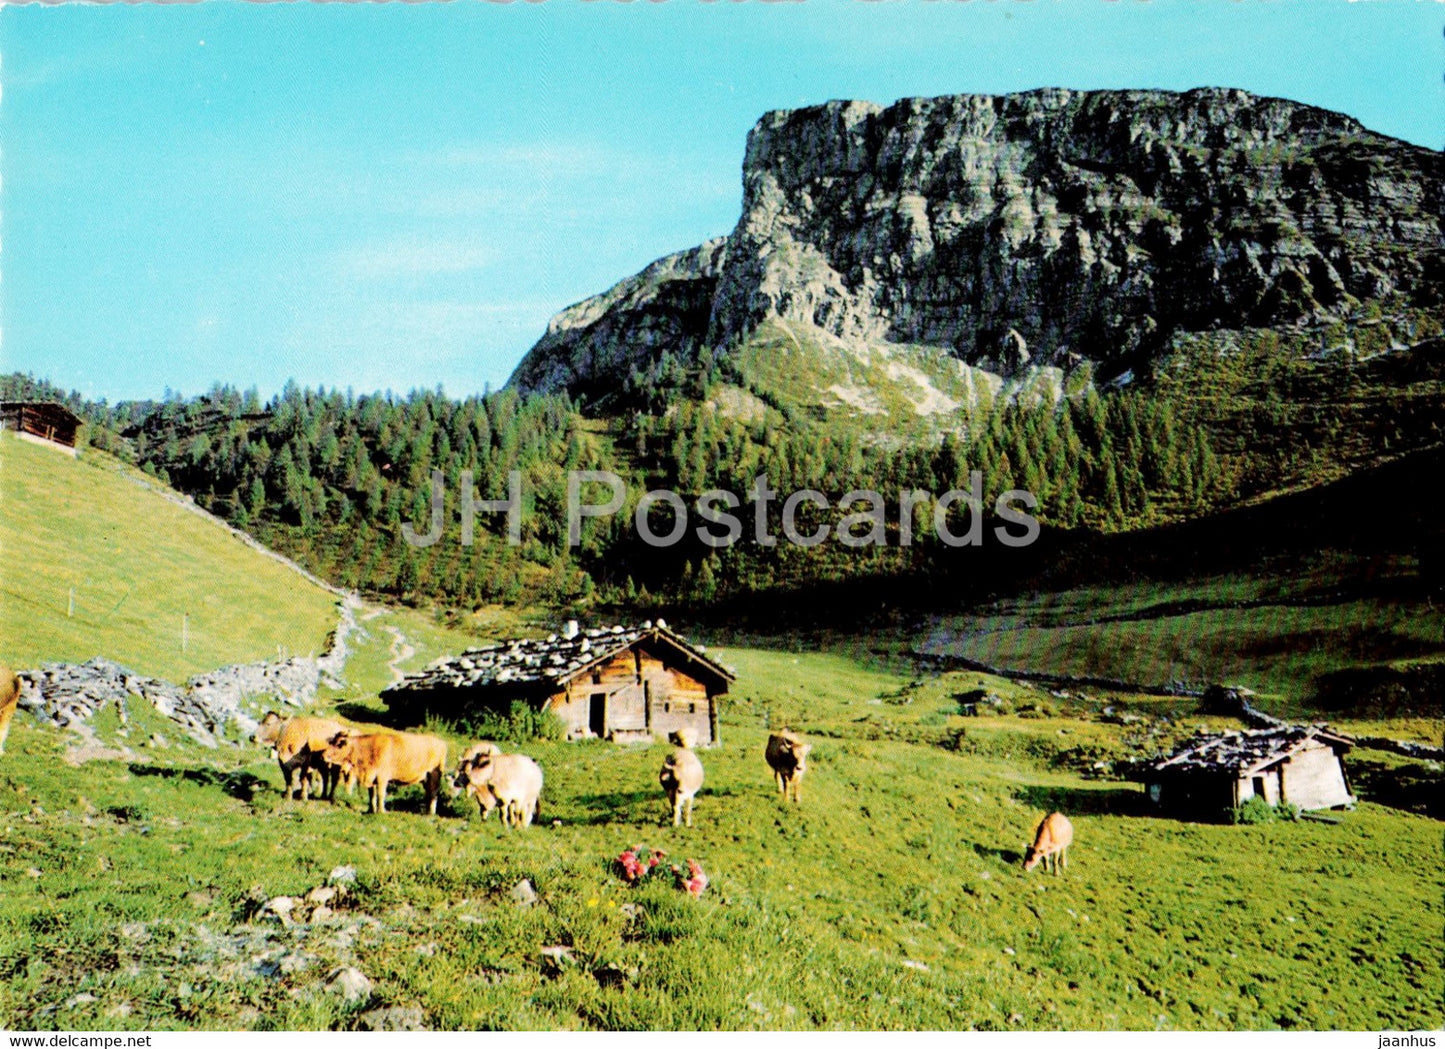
(1043,227)
(590,346)
(68,695)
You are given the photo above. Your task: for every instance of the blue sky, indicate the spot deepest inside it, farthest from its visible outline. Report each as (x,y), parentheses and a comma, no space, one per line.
(391,196)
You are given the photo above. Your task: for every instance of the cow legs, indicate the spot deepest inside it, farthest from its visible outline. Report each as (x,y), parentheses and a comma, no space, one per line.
(689,811)
(433,788)
(288,779)
(7,711)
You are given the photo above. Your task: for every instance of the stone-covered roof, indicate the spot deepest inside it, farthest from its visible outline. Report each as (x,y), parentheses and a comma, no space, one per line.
(1243,753)
(553,660)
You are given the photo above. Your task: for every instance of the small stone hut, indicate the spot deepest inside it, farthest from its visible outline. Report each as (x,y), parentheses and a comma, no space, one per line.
(625,684)
(1300,764)
(41,421)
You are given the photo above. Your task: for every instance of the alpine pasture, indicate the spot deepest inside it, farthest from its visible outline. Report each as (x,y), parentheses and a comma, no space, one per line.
(141,892)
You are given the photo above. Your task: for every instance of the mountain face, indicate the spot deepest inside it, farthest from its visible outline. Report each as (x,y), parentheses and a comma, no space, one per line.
(1042,228)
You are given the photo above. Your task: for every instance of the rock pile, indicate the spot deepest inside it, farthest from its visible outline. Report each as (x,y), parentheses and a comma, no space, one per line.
(67,695)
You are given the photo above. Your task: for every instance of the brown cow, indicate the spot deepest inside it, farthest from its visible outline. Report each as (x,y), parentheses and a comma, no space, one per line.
(787,756)
(1051,843)
(299,744)
(382,758)
(9,700)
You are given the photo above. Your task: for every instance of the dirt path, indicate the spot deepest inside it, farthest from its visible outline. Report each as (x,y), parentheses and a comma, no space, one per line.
(401,651)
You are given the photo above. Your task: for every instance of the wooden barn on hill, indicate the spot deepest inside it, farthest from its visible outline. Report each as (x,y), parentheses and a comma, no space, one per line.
(41,421)
(618,683)
(1299,764)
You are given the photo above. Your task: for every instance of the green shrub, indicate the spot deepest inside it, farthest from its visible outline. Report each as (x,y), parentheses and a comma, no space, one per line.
(522,723)
(1257,810)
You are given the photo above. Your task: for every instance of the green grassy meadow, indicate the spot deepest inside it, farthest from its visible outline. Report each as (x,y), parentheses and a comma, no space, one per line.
(894,897)
(1276,635)
(138,565)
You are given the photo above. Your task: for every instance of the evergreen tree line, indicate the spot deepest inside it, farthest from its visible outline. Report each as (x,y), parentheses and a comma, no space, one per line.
(330,478)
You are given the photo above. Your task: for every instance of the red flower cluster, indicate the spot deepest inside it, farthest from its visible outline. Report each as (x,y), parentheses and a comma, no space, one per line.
(632,868)
(696,880)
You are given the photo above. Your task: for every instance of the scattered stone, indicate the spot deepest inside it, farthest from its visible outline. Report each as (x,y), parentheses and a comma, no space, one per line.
(286,965)
(67,695)
(909,963)
(321,913)
(321,894)
(352,984)
(523,895)
(32,872)
(558,957)
(281,906)
(1009,951)
(199,899)
(342,876)
(83,998)
(393,1018)
(629,911)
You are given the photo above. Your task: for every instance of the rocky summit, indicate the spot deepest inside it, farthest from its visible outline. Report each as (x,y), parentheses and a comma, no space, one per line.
(1043,228)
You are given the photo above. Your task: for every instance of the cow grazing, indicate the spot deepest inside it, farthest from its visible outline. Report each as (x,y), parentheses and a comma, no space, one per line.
(681,776)
(1051,843)
(513,781)
(381,758)
(485,801)
(787,756)
(299,744)
(9,700)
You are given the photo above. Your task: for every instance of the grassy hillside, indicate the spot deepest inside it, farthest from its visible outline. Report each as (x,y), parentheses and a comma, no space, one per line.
(138,564)
(892,898)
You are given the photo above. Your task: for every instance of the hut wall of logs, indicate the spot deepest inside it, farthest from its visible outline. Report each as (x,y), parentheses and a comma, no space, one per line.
(41,421)
(623,684)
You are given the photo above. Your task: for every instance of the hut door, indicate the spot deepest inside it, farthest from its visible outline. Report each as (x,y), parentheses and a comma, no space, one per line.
(597,714)
(1259,791)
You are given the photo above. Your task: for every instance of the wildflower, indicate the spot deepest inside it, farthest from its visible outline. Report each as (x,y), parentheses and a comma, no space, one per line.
(695,882)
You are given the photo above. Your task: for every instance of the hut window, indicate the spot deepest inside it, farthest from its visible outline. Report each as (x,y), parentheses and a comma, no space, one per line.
(692,708)
(597,677)
(1259,791)
(667,708)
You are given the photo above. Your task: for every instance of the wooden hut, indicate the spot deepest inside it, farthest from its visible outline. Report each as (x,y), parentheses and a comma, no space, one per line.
(1299,764)
(41,421)
(617,683)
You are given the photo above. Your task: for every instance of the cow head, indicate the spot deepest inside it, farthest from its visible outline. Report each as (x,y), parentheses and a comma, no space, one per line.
(682,737)
(339,750)
(268,729)
(1032,858)
(474,776)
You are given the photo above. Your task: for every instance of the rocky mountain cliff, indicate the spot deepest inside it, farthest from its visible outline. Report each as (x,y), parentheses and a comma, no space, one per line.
(1047,227)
